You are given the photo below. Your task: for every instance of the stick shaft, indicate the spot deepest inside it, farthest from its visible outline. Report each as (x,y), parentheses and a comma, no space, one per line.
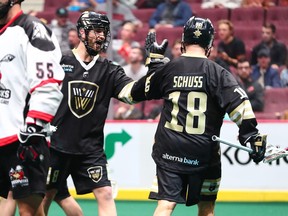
(215,138)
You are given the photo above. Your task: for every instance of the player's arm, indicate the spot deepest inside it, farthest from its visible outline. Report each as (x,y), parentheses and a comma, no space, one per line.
(44,72)
(44,77)
(244,117)
(239,108)
(139,91)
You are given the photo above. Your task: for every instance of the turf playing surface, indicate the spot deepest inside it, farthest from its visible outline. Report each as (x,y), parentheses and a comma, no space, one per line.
(146,208)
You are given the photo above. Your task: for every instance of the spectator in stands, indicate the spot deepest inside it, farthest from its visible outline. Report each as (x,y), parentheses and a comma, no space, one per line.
(135,68)
(148,3)
(278,50)
(266,75)
(230,48)
(284,75)
(253,89)
(176,49)
(61,26)
(232,4)
(129,3)
(170,14)
(126,111)
(214,57)
(122,46)
(81,5)
(73,40)
(120,14)
(257,3)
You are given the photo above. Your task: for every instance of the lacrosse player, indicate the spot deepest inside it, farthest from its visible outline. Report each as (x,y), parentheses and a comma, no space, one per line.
(30,79)
(197,93)
(89,84)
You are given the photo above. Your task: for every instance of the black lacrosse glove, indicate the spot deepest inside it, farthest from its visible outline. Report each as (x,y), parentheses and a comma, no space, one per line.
(29,139)
(154,51)
(258,145)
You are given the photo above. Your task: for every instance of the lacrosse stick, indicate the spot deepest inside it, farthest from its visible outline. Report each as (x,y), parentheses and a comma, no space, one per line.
(272,153)
(215,138)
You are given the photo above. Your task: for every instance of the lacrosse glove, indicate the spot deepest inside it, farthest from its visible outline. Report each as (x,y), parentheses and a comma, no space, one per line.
(154,51)
(258,145)
(30,140)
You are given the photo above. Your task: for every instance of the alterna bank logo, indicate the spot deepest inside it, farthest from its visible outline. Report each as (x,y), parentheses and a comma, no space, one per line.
(192,162)
(68,68)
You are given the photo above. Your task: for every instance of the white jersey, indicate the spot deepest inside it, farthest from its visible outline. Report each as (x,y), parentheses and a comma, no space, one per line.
(30,74)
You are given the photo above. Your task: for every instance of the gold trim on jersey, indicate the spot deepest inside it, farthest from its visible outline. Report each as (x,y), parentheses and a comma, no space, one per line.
(125,94)
(242,112)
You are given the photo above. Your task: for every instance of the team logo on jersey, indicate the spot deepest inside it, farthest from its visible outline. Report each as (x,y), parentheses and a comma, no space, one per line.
(17,177)
(95,173)
(5,93)
(39,31)
(81,97)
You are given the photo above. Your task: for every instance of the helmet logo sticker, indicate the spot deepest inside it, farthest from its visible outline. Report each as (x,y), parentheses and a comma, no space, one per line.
(197,33)
(198,25)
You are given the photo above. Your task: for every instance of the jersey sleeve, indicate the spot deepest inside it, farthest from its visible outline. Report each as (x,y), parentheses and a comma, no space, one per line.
(44,72)
(235,101)
(149,86)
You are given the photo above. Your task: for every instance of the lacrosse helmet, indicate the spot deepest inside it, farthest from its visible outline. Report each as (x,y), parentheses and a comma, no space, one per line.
(198,31)
(4,8)
(90,20)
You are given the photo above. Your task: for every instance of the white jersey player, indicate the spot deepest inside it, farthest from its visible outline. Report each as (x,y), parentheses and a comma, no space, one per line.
(30,79)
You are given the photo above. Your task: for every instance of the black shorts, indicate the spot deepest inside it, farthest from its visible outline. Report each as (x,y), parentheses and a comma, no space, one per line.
(62,193)
(186,188)
(87,171)
(24,179)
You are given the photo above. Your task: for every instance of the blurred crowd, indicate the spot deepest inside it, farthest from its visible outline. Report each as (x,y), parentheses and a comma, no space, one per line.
(261,67)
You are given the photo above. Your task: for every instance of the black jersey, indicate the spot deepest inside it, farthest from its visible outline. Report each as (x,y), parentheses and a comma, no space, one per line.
(197,93)
(87,90)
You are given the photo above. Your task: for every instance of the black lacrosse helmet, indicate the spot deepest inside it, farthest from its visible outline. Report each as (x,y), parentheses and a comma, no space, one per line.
(90,20)
(198,31)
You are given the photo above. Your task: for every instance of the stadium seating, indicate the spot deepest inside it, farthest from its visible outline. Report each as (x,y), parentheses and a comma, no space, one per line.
(214,14)
(253,16)
(46,15)
(276,102)
(281,34)
(278,16)
(52,5)
(169,33)
(49,15)
(143,14)
(141,35)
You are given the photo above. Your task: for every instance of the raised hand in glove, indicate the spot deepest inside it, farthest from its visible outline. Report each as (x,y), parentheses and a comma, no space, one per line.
(154,51)
(31,140)
(258,145)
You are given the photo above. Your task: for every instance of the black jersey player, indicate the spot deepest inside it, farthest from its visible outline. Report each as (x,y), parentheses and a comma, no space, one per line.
(89,84)
(197,93)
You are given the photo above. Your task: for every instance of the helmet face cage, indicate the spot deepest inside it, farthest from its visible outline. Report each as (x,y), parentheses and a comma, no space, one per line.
(198,31)
(90,21)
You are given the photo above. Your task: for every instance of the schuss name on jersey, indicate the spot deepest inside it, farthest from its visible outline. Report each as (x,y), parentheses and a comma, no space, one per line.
(185,81)
(67,68)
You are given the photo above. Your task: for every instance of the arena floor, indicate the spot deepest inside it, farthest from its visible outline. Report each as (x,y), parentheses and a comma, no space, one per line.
(146,208)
